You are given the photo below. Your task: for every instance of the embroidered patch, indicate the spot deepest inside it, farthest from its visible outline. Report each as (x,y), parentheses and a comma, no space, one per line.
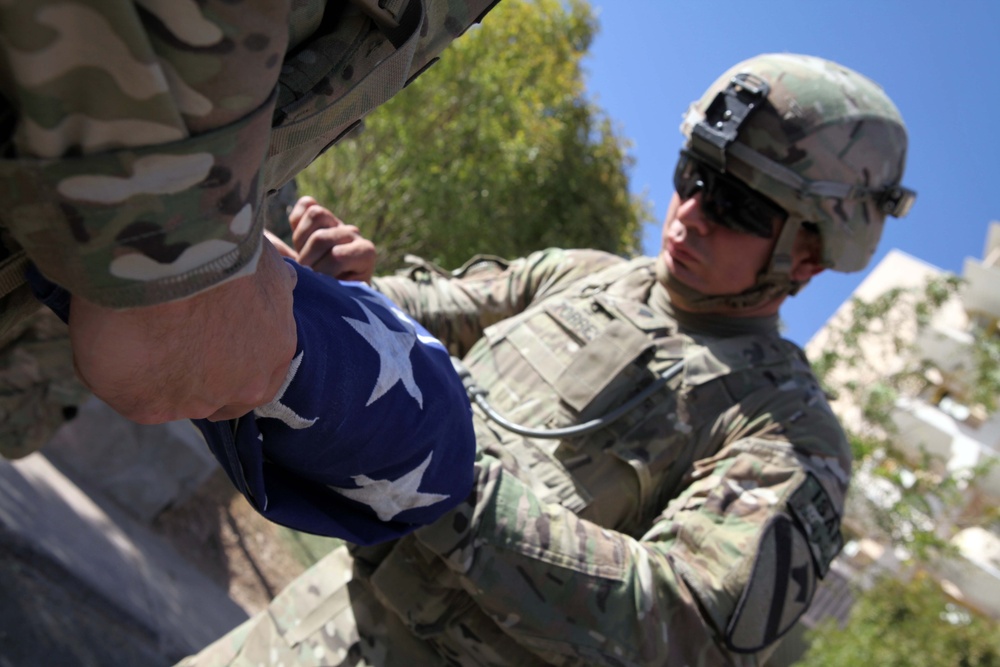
(780,588)
(818,517)
(574,320)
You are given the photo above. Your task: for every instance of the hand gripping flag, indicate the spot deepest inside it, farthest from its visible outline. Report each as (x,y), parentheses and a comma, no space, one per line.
(369,437)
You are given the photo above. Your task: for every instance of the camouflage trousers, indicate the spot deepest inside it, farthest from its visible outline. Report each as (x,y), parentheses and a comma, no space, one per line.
(314,623)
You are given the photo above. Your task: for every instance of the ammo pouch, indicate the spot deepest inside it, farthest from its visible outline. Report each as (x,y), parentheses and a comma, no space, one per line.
(575,359)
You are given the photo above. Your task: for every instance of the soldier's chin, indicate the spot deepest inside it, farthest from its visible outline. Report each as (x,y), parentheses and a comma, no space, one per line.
(682,295)
(670,274)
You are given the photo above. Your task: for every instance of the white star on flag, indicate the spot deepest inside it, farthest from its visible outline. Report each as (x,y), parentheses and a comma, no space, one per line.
(408,321)
(393,349)
(277,410)
(390,497)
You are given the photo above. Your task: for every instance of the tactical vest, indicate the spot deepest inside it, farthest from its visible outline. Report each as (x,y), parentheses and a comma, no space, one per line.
(569,359)
(579,355)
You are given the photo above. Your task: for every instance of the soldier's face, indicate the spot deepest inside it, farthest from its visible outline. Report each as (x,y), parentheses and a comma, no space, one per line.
(709,257)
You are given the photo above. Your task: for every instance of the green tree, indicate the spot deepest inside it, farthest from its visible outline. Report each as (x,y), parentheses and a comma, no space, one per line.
(898,623)
(905,624)
(495,149)
(917,492)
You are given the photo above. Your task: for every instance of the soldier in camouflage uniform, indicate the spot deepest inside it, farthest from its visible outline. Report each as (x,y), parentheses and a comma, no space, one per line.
(659,478)
(140,140)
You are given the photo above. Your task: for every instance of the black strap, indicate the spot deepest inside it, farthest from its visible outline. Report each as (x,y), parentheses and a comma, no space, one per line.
(725,115)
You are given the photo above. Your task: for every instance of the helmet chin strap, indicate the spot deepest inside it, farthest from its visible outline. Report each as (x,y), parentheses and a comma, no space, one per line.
(773,282)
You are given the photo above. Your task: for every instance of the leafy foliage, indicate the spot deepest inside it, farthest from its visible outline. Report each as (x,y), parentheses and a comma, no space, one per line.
(903,498)
(986,356)
(905,624)
(495,149)
(905,501)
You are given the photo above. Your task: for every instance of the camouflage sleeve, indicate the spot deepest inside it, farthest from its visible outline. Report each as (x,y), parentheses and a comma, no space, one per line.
(456,306)
(136,131)
(731,563)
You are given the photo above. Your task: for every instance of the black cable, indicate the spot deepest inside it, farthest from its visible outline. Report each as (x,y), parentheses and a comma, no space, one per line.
(478,395)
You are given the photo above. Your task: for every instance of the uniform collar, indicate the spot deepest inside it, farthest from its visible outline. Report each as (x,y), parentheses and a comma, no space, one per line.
(722,326)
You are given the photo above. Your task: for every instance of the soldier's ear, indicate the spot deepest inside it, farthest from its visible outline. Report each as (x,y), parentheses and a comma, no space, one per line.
(807,254)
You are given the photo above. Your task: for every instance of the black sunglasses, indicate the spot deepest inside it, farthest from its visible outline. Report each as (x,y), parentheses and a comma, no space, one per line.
(726,200)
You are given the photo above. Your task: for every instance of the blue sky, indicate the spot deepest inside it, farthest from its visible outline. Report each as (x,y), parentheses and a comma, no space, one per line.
(938,61)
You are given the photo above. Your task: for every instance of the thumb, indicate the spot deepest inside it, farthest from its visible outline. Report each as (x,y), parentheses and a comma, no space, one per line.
(283,248)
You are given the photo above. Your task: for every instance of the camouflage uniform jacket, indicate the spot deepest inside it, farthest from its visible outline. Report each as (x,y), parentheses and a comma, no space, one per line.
(692,531)
(140,138)
(689,532)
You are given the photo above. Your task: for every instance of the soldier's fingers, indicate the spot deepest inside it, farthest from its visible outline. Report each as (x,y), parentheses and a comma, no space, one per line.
(299,209)
(349,261)
(344,268)
(314,219)
(320,242)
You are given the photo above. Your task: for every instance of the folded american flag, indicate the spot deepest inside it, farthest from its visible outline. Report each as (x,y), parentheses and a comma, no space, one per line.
(371,434)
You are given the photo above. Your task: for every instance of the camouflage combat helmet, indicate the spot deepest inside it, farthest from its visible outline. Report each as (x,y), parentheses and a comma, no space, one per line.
(821,141)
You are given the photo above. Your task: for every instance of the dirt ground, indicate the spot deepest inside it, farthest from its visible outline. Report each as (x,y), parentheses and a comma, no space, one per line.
(218,532)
